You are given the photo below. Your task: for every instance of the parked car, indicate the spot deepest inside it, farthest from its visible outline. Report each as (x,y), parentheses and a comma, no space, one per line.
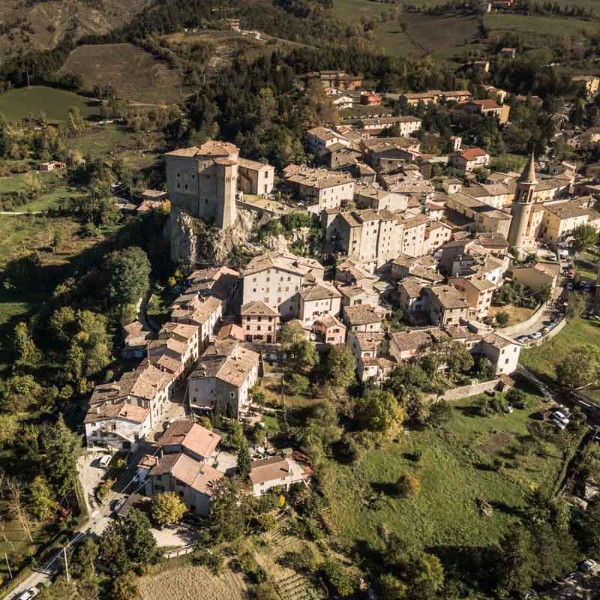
(117,505)
(104,461)
(557,423)
(523,339)
(536,335)
(587,565)
(30,593)
(560,416)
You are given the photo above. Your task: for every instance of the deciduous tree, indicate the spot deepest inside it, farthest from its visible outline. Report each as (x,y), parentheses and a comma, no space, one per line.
(167,508)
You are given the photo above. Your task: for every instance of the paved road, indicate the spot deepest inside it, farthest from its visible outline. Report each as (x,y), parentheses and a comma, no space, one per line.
(35,212)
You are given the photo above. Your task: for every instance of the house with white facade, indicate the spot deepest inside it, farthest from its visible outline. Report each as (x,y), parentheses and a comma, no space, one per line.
(223,378)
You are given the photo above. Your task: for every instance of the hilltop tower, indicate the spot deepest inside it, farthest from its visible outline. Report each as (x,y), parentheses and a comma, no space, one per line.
(203,181)
(522,206)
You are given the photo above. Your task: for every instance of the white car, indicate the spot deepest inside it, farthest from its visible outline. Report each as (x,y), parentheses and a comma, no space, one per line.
(560,417)
(558,423)
(587,565)
(30,593)
(104,461)
(536,335)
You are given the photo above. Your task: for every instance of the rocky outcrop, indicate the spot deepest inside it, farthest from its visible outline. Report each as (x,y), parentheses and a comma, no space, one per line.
(194,242)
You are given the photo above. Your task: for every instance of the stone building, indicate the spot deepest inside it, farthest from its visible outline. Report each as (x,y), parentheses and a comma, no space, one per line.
(203,181)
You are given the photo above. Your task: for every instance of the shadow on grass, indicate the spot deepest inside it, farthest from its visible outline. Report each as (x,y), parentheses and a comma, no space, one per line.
(507,509)
(388,489)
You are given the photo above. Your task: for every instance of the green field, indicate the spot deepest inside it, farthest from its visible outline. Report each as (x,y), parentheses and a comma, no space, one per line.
(452,480)
(543,359)
(537,28)
(35,100)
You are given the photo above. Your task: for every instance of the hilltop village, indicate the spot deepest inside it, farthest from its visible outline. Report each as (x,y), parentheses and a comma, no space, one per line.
(413,262)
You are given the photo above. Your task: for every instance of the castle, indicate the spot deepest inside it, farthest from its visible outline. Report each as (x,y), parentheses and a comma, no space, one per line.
(203,181)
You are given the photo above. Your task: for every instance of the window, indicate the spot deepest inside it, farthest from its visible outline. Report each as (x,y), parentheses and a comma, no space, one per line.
(232,394)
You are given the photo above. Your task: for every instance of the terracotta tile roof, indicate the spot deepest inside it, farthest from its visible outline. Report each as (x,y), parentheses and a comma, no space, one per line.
(319,292)
(448,296)
(285,261)
(274,469)
(257,308)
(190,436)
(363,314)
(198,475)
(472,153)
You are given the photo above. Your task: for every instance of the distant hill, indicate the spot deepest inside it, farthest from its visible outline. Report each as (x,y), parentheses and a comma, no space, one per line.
(130,71)
(39,25)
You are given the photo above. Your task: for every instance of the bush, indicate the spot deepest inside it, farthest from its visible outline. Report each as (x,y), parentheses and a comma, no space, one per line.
(517,398)
(407,486)
(338,578)
(502,319)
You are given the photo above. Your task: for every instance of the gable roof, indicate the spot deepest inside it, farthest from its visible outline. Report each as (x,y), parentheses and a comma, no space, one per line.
(189,435)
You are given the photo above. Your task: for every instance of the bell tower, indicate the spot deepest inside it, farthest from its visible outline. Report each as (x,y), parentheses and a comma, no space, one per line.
(522,206)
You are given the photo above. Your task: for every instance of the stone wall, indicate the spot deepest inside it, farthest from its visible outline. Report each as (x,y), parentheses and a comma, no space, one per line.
(466,390)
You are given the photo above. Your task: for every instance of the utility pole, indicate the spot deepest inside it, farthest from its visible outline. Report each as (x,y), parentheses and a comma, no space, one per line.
(66,564)
(8,565)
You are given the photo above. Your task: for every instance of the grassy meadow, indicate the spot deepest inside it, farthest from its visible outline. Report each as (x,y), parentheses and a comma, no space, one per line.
(543,360)
(36,100)
(453,479)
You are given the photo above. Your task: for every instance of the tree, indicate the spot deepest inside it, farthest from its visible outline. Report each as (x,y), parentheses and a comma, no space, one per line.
(303,356)
(75,122)
(83,564)
(243,461)
(26,352)
(502,319)
(455,356)
(125,588)
(485,368)
(575,304)
(516,565)
(340,365)
(226,516)
(321,431)
(582,236)
(61,448)
(41,499)
(378,411)
(167,508)
(407,486)
(88,343)
(127,543)
(128,276)
(439,414)
(580,367)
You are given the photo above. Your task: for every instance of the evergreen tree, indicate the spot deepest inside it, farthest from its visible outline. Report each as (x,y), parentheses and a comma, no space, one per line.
(243,461)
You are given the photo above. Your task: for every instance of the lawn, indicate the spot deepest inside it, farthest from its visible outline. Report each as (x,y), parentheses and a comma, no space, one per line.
(538,27)
(543,360)
(35,100)
(516,314)
(585,270)
(100,140)
(446,512)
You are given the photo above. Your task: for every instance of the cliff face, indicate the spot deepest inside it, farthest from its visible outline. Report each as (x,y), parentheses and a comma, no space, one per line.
(193,242)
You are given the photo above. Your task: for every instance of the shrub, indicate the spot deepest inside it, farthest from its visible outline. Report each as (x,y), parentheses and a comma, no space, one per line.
(338,578)
(517,398)
(502,319)
(407,486)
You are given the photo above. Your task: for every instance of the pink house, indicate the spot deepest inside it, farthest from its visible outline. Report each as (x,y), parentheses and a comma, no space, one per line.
(260,322)
(330,330)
